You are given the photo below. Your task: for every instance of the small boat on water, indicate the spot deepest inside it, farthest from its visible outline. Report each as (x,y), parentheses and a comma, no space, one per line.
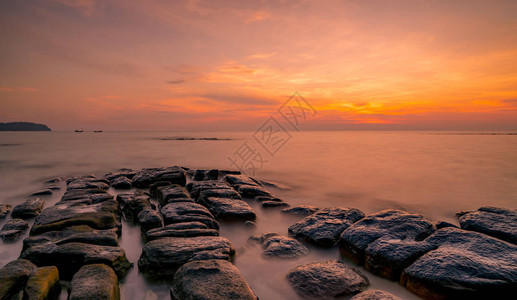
(97,131)
(79,131)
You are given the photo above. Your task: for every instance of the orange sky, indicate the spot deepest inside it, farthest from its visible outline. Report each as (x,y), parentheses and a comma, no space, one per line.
(227,65)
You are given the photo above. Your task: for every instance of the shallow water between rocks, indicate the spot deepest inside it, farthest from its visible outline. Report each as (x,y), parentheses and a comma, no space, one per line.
(434,174)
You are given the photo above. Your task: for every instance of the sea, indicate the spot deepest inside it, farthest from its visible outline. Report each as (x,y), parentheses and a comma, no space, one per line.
(436,174)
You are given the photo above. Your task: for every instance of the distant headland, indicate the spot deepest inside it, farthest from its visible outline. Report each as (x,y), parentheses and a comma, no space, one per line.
(23,126)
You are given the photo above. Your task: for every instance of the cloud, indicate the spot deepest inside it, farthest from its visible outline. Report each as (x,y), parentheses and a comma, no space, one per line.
(258,16)
(179,81)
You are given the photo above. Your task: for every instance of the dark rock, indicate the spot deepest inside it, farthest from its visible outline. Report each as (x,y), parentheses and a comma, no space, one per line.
(195,188)
(326,280)
(96,281)
(280,246)
(269,204)
(128,173)
(28,209)
(13,229)
(171,192)
(395,224)
(149,219)
(268,199)
(145,177)
(133,203)
(210,279)
(121,183)
(43,284)
(443,224)
(229,209)
(87,183)
(250,224)
(44,192)
(80,234)
(54,187)
(162,257)
(5,209)
(153,188)
(466,265)
(219,193)
(87,196)
(54,180)
(70,257)
(239,180)
(189,229)
(180,212)
(14,276)
(303,210)
(252,191)
(324,227)
(497,222)
(375,295)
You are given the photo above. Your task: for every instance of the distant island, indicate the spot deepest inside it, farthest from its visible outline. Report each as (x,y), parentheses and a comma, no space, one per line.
(23,126)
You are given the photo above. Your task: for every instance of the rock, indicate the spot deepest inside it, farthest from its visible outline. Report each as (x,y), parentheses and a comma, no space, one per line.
(128,173)
(497,222)
(153,188)
(324,227)
(121,183)
(145,177)
(269,204)
(44,192)
(443,224)
(28,209)
(219,193)
(133,203)
(161,258)
(14,276)
(149,219)
(201,175)
(87,183)
(5,209)
(251,191)
(70,257)
(280,246)
(239,180)
(195,188)
(171,192)
(43,284)
(394,224)
(80,234)
(54,187)
(13,229)
(326,280)
(180,212)
(303,210)
(465,265)
(189,229)
(250,224)
(229,209)
(375,295)
(91,196)
(210,279)
(96,281)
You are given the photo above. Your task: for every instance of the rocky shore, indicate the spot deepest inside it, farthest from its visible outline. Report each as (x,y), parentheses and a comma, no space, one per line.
(75,242)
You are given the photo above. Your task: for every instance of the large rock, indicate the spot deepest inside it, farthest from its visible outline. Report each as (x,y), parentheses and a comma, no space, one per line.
(121,183)
(195,188)
(14,276)
(246,186)
(497,222)
(161,258)
(180,212)
(43,284)
(375,295)
(465,265)
(80,234)
(188,229)
(219,193)
(128,173)
(324,227)
(280,246)
(5,209)
(45,192)
(132,204)
(70,257)
(13,229)
(210,279)
(201,175)
(229,209)
(145,177)
(87,183)
(28,209)
(302,210)
(87,196)
(149,219)
(96,281)
(326,280)
(172,193)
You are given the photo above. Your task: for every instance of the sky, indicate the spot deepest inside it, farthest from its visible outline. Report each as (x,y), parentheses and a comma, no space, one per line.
(198,65)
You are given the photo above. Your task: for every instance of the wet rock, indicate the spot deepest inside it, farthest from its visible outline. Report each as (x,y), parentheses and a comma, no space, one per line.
(252,191)
(153,188)
(161,258)
(149,219)
(269,204)
(54,187)
(132,204)
(375,295)
(13,229)
(229,209)
(303,210)
(5,209)
(53,180)
(70,257)
(201,175)
(239,180)
(250,224)
(171,192)
(219,193)
(210,279)
(87,196)
(121,183)
(195,188)
(394,224)
(14,276)
(466,265)
(497,222)
(145,177)
(43,284)
(128,173)
(87,183)
(280,246)
(180,212)
(96,281)
(324,227)
(268,199)
(28,209)
(80,234)
(44,192)
(326,280)
(190,229)
(443,224)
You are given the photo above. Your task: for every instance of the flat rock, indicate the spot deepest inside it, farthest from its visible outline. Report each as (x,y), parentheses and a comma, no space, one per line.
(5,209)
(43,284)
(171,192)
(45,192)
(272,204)
(13,229)
(229,209)
(497,222)
(145,177)
(189,229)
(96,281)
(195,188)
(121,183)
(128,173)
(14,276)
(153,187)
(201,175)
(219,193)
(210,279)
(327,280)
(149,219)
(281,246)
(132,204)
(324,227)
(180,212)
(375,295)
(161,258)
(91,196)
(87,183)
(80,234)
(28,209)
(302,210)
(70,257)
